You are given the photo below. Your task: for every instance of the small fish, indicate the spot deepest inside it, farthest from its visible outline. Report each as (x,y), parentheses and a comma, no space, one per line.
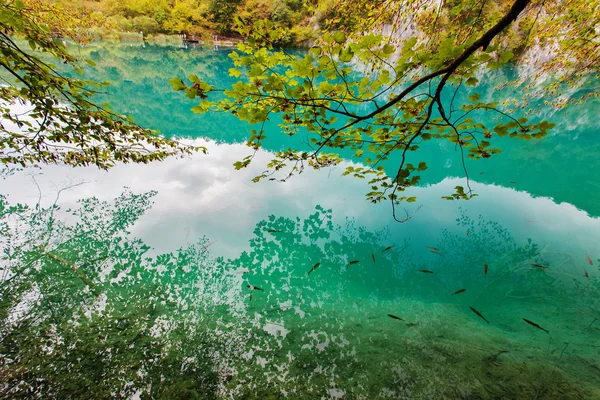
(535,325)
(585,274)
(426,271)
(459,291)
(435,252)
(481,173)
(240,271)
(538,266)
(353,262)
(273,231)
(388,248)
(432,248)
(395,317)
(373,257)
(513,182)
(485,269)
(314,267)
(467,234)
(479,314)
(589,260)
(493,358)
(252,287)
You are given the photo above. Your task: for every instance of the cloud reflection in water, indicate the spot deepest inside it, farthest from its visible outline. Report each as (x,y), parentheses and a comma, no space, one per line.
(204,195)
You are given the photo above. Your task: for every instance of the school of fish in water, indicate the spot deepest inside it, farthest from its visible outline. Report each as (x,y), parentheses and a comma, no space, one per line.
(323,268)
(435,250)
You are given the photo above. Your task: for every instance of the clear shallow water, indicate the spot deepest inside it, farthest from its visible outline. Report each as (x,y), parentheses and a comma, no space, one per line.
(327,334)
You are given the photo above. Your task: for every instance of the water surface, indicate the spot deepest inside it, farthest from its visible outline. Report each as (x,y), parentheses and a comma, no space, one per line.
(226,262)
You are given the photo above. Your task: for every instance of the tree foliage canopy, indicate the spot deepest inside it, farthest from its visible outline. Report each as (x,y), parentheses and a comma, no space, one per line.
(204,17)
(381,94)
(48,117)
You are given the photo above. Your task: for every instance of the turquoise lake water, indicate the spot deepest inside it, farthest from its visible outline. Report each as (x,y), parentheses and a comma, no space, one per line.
(214,270)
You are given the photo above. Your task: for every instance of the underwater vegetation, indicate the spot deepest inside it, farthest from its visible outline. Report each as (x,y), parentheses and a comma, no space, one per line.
(312,309)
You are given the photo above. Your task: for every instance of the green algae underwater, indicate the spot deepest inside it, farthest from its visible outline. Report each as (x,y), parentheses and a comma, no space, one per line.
(227,290)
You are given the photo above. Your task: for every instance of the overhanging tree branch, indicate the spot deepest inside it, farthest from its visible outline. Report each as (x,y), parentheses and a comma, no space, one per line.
(314,89)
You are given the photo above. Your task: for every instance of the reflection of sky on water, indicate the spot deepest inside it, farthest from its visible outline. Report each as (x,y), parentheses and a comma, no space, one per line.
(204,195)
(563,166)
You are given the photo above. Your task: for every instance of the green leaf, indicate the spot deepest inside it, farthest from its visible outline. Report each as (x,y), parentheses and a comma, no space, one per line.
(474,97)
(339,37)
(506,56)
(203,107)
(177,84)
(388,49)
(472,81)
(190,93)
(346,55)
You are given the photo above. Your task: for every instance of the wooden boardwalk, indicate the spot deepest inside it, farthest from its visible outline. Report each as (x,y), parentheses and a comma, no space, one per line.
(218,41)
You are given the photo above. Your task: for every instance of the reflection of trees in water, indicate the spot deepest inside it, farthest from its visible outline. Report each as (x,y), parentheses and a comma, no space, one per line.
(84,313)
(323,322)
(351,260)
(352,264)
(477,243)
(515,271)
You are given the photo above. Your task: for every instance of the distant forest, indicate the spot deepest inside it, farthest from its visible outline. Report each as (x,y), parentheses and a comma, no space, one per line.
(298,18)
